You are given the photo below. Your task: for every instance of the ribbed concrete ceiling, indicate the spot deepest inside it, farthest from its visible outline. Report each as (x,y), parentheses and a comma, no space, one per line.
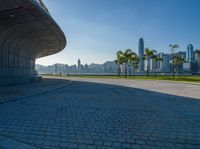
(26,29)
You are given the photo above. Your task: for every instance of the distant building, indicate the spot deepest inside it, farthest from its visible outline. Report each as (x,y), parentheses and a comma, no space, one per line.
(190,53)
(160,63)
(72,68)
(109,67)
(141,54)
(187,67)
(79,64)
(145,65)
(183,54)
(166,63)
(196,57)
(152,64)
(86,68)
(196,62)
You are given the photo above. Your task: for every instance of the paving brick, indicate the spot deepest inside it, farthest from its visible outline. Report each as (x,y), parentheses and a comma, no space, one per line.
(91,115)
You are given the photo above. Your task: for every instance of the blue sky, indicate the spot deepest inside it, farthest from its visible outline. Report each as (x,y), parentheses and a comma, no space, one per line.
(96,29)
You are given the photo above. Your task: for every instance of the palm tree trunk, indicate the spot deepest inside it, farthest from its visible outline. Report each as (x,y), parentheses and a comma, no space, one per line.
(134,73)
(148,61)
(118,70)
(125,71)
(173,71)
(130,72)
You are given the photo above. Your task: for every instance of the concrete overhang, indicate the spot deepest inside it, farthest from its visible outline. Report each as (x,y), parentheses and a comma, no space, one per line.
(27,32)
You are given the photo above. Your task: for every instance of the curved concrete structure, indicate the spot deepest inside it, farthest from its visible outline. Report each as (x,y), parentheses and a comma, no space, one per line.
(27,32)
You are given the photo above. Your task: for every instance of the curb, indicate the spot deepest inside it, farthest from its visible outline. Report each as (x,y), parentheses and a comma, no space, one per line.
(11,99)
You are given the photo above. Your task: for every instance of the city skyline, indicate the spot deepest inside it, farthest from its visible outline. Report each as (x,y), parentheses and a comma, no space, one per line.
(137,52)
(97,29)
(190,64)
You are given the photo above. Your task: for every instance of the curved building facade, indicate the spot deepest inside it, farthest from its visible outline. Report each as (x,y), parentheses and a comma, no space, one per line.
(141,54)
(27,32)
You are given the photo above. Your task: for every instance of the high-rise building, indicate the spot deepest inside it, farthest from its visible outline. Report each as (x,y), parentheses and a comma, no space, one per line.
(190,53)
(182,54)
(166,63)
(196,57)
(79,62)
(196,61)
(141,54)
(152,66)
(160,63)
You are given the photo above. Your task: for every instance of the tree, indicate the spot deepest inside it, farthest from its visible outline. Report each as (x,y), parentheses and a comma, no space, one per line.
(148,55)
(134,61)
(198,52)
(123,58)
(173,48)
(119,62)
(178,60)
(127,56)
(156,59)
(118,67)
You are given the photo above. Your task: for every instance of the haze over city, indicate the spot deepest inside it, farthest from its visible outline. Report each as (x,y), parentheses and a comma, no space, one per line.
(97,29)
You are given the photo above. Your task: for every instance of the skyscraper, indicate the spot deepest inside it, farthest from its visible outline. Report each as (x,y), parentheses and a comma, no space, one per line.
(141,54)
(160,63)
(79,64)
(166,63)
(190,53)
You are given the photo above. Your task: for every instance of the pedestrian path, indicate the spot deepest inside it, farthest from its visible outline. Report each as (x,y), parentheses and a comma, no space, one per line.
(87,115)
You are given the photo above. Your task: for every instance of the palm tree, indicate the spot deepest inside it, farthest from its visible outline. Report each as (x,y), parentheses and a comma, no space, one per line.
(123,58)
(134,61)
(173,48)
(127,56)
(178,60)
(156,59)
(119,61)
(198,52)
(148,55)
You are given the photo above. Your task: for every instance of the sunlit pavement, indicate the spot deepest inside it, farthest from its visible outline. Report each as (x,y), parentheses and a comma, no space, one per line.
(96,115)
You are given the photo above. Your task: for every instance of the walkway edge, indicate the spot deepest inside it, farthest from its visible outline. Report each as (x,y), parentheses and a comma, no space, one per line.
(11,99)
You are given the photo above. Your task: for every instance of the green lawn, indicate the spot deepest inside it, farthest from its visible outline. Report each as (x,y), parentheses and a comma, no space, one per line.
(192,79)
(195,79)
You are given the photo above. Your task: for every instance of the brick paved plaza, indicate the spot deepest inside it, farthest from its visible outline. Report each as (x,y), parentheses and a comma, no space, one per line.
(89,115)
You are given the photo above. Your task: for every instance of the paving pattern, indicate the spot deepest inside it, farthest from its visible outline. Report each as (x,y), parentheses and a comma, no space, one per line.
(97,116)
(15,91)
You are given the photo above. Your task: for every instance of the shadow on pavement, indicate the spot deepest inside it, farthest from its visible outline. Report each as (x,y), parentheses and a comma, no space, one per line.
(97,115)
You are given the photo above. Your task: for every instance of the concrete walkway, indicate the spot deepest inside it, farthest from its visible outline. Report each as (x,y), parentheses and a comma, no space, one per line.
(167,87)
(91,115)
(14,92)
